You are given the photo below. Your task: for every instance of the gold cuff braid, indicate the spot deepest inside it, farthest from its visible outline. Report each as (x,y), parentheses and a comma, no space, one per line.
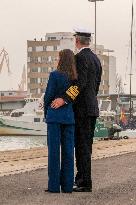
(73,92)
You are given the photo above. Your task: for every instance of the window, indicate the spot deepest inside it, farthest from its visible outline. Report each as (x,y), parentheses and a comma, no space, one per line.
(34,70)
(2,94)
(21,113)
(44,59)
(49,48)
(43,80)
(17,114)
(58,48)
(55,59)
(34,91)
(10,93)
(28,60)
(52,38)
(33,80)
(31,60)
(42,90)
(55,48)
(33,48)
(49,59)
(39,59)
(39,80)
(44,70)
(39,48)
(44,48)
(29,49)
(36,119)
(35,59)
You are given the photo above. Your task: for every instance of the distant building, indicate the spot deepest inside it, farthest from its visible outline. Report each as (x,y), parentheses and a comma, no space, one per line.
(42,58)
(10,100)
(119,102)
(112,75)
(108,81)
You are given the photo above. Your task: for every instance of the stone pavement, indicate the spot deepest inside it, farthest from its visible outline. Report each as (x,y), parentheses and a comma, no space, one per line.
(19,161)
(114,183)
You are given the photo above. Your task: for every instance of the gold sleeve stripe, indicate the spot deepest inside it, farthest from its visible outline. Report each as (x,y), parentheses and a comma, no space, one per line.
(70,95)
(73,92)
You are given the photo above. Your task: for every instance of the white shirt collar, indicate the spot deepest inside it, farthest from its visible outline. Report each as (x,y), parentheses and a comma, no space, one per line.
(82,48)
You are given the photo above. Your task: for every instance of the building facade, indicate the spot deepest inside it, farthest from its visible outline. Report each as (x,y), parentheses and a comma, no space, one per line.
(108,62)
(11,100)
(42,58)
(112,75)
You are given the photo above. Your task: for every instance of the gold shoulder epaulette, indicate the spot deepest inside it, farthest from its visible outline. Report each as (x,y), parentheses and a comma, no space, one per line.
(73,92)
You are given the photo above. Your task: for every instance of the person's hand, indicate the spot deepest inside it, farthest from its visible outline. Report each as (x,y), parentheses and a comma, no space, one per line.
(58,102)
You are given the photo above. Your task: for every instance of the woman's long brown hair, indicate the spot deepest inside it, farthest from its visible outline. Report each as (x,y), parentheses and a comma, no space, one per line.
(67,63)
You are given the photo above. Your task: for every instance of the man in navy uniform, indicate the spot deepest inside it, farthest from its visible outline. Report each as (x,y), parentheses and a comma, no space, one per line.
(84,96)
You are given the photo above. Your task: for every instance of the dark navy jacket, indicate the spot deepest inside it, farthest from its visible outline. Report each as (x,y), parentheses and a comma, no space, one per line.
(58,83)
(89,71)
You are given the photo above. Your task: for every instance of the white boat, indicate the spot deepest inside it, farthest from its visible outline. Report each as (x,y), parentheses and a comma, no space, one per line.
(28,120)
(105,110)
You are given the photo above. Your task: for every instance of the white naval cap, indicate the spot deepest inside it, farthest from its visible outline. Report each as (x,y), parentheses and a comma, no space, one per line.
(82,32)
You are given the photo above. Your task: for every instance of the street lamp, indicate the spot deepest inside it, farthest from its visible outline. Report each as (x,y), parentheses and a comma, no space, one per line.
(95,19)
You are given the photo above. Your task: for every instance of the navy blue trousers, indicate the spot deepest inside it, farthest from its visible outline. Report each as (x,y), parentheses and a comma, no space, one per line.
(60,172)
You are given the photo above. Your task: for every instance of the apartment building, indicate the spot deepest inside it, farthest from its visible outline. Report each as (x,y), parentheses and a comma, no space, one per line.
(42,58)
(108,62)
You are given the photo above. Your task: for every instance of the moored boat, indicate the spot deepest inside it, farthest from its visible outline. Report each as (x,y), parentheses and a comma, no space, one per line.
(25,121)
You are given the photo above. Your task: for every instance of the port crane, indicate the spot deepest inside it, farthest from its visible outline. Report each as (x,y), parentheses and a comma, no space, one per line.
(4,56)
(22,85)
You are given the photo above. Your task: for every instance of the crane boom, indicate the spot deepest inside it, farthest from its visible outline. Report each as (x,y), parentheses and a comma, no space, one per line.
(6,58)
(1,64)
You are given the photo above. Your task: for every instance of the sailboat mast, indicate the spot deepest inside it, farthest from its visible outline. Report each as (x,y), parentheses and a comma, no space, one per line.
(130,109)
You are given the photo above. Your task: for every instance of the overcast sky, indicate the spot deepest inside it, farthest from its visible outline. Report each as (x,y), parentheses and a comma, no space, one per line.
(22,20)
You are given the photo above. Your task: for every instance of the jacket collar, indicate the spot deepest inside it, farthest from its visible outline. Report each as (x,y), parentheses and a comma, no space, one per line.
(82,49)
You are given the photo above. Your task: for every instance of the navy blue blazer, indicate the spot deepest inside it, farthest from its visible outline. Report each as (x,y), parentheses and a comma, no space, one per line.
(58,83)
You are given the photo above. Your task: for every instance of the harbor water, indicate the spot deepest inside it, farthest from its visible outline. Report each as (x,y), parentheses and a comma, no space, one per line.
(21,142)
(27,142)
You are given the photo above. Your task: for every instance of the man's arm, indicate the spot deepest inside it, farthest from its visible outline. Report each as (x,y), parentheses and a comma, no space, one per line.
(98,78)
(74,90)
(77,86)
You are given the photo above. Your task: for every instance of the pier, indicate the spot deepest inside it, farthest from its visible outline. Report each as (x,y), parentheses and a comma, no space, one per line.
(23,177)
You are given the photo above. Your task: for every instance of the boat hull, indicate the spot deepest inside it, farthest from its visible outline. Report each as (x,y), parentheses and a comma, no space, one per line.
(13,128)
